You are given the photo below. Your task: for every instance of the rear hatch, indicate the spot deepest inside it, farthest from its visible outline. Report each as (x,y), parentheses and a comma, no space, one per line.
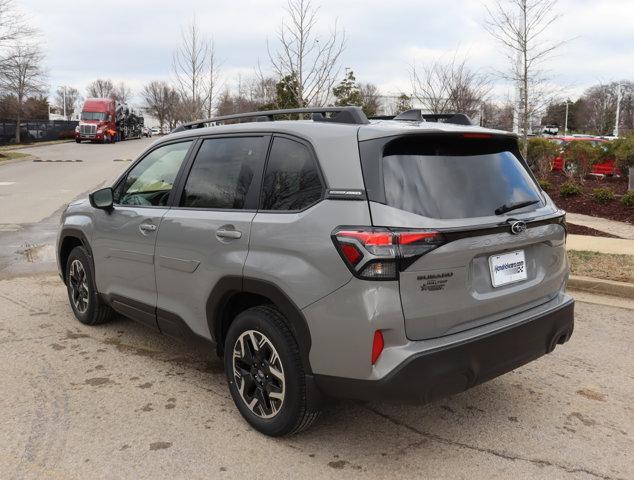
(494,257)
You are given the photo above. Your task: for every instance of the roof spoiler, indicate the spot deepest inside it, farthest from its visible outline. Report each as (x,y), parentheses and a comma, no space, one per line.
(417,115)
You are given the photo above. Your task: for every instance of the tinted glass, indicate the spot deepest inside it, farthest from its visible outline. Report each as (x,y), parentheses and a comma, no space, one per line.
(150,182)
(292,180)
(100,116)
(456,186)
(223,172)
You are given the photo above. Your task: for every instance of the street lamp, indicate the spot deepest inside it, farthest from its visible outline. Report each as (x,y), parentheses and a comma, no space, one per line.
(619,89)
(566,121)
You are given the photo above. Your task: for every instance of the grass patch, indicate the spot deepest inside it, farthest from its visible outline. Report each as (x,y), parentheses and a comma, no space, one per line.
(9,155)
(602,265)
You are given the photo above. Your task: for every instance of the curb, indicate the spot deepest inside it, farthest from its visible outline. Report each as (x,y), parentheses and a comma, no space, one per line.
(25,146)
(604,287)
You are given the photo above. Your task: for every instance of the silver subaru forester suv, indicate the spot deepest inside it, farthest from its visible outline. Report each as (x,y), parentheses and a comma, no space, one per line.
(398,259)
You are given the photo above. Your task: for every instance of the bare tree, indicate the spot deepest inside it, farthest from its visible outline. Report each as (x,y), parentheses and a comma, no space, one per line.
(450,87)
(191,67)
(22,75)
(100,88)
(66,99)
(521,27)
(121,93)
(12,25)
(304,55)
(211,81)
(160,99)
(370,101)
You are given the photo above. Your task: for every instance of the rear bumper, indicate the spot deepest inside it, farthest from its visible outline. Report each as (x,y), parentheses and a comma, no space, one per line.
(434,374)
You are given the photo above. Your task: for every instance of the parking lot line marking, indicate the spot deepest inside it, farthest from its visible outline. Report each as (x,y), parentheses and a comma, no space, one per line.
(6,184)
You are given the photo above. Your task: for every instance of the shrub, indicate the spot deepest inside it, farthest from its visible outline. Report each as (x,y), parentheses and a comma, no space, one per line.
(603,195)
(580,155)
(545,184)
(541,154)
(628,199)
(569,189)
(624,153)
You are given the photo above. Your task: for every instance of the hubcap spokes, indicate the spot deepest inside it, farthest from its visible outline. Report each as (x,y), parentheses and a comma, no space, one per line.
(259,374)
(78,283)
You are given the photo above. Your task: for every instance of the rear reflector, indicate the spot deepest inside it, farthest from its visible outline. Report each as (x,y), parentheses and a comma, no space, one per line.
(377,346)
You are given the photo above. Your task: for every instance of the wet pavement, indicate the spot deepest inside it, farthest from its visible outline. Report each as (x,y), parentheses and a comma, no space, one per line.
(120,401)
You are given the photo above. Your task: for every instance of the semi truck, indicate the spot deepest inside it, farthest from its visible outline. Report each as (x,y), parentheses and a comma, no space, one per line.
(105,120)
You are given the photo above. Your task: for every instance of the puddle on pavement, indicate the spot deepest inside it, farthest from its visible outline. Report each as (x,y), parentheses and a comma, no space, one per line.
(37,253)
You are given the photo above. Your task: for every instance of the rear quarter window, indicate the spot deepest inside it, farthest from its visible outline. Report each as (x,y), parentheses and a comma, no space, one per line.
(291,180)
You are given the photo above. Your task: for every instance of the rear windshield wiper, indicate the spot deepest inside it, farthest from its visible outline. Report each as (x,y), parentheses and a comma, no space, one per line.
(514,206)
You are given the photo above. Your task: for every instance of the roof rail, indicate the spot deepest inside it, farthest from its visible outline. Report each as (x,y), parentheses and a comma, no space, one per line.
(349,115)
(417,115)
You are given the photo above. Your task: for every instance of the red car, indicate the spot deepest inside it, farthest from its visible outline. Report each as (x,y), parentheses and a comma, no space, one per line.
(607,167)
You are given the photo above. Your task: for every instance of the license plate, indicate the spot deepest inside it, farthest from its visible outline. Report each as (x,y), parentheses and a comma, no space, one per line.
(507,268)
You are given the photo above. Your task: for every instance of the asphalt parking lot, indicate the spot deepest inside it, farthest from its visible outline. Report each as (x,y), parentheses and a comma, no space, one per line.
(120,401)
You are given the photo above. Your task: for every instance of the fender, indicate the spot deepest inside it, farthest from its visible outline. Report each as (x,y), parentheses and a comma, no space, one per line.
(70,232)
(230,285)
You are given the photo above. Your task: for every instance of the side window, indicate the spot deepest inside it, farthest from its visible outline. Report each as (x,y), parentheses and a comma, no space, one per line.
(291,181)
(151,180)
(223,172)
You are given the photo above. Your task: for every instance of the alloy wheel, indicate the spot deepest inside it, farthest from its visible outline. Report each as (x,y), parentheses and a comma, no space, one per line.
(78,283)
(258,374)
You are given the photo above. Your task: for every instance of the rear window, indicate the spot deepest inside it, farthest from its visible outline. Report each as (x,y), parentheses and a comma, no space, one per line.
(450,183)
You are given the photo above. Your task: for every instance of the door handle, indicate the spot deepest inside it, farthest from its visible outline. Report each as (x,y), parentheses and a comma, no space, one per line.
(228,233)
(147,227)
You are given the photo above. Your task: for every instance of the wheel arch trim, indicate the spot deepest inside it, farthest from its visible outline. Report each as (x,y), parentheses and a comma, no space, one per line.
(69,232)
(229,286)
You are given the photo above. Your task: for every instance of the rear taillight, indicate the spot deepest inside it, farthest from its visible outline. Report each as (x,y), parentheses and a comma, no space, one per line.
(374,253)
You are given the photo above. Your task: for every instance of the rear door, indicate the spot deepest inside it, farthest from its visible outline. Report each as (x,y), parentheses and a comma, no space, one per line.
(462,186)
(205,236)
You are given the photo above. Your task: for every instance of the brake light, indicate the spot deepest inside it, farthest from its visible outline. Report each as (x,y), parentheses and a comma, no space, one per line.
(477,135)
(375,253)
(352,254)
(377,346)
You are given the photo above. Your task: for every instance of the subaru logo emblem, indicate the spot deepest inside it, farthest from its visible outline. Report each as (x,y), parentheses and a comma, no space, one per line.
(518,227)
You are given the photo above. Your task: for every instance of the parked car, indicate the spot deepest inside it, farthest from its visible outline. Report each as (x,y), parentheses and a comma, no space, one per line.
(156,131)
(607,167)
(399,260)
(147,132)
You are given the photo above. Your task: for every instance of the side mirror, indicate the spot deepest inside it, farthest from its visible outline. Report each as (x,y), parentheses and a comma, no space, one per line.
(102,199)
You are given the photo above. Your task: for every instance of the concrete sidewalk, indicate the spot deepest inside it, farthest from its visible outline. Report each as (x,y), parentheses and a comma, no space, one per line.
(620,229)
(600,244)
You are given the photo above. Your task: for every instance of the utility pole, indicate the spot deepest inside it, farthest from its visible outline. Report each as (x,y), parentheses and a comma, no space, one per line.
(566,122)
(618,110)
(65,117)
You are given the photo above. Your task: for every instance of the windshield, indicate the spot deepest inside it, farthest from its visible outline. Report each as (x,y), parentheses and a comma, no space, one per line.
(460,186)
(99,116)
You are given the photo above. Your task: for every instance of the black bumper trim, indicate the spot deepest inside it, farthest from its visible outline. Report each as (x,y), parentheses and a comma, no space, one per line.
(427,376)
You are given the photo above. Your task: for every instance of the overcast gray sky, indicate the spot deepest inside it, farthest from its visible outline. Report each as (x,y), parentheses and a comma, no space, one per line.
(133,40)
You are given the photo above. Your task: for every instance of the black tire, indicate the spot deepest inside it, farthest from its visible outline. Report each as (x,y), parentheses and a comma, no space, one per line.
(293,416)
(77,140)
(88,307)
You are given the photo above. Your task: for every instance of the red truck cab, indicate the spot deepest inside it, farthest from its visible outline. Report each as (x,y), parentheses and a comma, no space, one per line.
(97,122)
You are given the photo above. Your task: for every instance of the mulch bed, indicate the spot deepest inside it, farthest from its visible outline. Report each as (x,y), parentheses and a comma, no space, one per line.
(585,203)
(581,230)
